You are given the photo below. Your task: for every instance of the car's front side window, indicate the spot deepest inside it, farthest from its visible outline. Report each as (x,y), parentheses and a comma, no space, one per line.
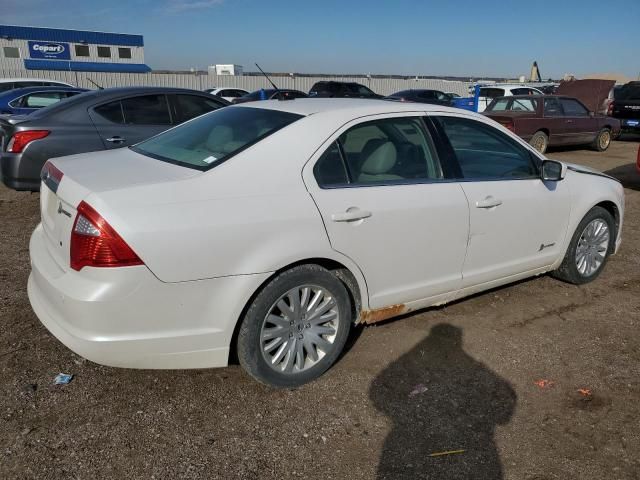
(485,153)
(396,150)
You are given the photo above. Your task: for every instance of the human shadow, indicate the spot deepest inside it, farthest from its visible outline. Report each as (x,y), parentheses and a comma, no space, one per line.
(441,400)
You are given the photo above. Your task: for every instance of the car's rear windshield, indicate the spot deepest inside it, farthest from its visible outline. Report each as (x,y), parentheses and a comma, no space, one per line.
(628,92)
(513,105)
(214,137)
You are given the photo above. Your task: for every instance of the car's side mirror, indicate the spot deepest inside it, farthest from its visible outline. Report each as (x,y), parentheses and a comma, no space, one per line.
(553,171)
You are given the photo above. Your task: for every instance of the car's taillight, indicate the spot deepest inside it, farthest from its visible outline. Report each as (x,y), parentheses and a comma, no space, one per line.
(22,139)
(508,125)
(51,176)
(610,108)
(94,243)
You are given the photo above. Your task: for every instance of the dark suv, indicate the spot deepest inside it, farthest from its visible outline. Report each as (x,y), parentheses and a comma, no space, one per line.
(334,89)
(626,106)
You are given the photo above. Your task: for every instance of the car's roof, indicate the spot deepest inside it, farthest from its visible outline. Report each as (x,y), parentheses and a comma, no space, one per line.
(535,96)
(508,85)
(10,79)
(358,106)
(17,92)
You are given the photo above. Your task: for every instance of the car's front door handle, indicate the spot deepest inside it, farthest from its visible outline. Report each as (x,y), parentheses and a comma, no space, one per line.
(350,215)
(116,139)
(488,202)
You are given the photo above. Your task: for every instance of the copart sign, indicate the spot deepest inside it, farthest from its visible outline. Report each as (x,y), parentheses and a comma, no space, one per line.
(54,50)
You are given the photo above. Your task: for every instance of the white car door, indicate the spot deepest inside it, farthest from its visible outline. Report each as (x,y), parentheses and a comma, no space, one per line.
(517,221)
(385,203)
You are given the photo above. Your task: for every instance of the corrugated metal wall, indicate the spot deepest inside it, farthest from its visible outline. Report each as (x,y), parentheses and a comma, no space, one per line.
(384,86)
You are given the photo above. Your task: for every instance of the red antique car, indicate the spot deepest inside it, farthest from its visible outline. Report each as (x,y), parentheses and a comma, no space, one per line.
(553,120)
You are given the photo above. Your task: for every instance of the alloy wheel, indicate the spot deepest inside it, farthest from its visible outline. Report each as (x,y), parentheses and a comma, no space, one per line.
(592,247)
(299,329)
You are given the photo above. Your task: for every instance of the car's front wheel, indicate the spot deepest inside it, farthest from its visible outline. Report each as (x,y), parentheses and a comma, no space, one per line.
(590,247)
(295,328)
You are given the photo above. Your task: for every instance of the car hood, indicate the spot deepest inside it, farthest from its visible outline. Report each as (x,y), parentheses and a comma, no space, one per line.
(588,170)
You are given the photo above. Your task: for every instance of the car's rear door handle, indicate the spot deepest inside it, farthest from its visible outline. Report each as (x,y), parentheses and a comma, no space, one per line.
(116,139)
(350,215)
(488,202)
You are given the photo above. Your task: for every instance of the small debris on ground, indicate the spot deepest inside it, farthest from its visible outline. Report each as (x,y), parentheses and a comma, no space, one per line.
(62,379)
(543,383)
(449,452)
(418,389)
(585,392)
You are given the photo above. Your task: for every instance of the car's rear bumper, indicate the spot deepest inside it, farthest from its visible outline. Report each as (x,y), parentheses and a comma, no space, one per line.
(15,175)
(126,317)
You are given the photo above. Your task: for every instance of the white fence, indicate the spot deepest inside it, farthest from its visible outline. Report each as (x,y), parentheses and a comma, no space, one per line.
(384,86)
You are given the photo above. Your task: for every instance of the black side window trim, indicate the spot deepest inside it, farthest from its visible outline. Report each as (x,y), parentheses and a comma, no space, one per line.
(452,155)
(428,132)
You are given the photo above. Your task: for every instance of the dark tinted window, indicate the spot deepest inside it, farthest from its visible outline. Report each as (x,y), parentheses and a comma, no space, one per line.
(523,91)
(82,50)
(552,107)
(6,86)
(146,110)
(491,92)
(573,108)
(111,111)
(191,106)
(210,139)
(630,91)
(484,152)
(330,169)
(26,84)
(124,52)
(384,151)
(104,52)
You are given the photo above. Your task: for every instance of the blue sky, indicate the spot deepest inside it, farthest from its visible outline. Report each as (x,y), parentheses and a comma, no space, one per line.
(463,37)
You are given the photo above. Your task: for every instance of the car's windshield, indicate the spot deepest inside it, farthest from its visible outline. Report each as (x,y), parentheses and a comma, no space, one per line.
(208,140)
(628,92)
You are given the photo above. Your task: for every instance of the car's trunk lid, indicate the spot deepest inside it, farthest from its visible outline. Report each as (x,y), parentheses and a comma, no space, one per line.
(94,173)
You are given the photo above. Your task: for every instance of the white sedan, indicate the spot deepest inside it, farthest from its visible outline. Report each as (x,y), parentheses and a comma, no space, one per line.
(271,228)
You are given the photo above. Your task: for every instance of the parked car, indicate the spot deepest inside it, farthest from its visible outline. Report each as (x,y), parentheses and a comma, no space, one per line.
(251,227)
(626,107)
(489,92)
(551,120)
(11,83)
(23,101)
(270,94)
(90,121)
(434,97)
(229,94)
(333,89)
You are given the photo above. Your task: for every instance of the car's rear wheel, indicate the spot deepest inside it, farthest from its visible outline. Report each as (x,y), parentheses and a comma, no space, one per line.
(539,141)
(590,247)
(295,328)
(602,140)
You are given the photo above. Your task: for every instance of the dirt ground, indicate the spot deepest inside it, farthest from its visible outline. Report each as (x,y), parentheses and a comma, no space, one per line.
(461,377)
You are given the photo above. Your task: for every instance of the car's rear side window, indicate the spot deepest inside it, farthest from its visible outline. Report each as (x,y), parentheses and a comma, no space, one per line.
(389,151)
(191,106)
(146,110)
(111,111)
(208,140)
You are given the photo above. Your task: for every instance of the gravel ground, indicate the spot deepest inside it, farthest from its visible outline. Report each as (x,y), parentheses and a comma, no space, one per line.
(461,377)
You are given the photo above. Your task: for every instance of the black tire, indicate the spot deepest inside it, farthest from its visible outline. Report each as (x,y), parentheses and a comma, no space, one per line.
(568,270)
(539,141)
(602,141)
(249,346)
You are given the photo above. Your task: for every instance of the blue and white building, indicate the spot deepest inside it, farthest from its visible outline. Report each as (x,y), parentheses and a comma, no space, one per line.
(37,48)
